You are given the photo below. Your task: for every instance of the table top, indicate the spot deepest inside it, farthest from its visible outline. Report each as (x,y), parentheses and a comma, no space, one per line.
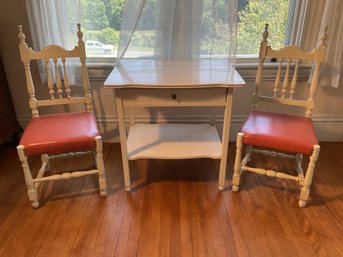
(174,74)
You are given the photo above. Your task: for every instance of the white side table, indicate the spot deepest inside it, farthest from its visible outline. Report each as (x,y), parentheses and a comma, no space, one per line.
(174,83)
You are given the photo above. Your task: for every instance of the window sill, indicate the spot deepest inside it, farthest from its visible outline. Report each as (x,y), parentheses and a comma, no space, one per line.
(100,71)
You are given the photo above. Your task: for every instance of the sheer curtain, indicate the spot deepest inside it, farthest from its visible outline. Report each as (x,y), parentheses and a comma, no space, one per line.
(304,28)
(183,29)
(54,22)
(132,12)
(307,28)
(332,68)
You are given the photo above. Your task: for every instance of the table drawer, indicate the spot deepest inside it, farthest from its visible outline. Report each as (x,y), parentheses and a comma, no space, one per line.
(175,97)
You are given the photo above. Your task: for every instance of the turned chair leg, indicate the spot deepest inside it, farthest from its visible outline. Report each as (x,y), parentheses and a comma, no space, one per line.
(100,166)
(305,190)
(31,190)
(238,161)
(45,158)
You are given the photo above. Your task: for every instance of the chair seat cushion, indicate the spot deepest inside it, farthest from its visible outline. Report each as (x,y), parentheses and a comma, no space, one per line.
(279,131)
(60,133)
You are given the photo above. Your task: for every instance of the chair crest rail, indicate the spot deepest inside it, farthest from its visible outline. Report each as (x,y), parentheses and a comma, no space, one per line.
(54,60)
(285,83)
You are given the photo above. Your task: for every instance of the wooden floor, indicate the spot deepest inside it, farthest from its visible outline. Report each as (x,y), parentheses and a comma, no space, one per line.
(174,209)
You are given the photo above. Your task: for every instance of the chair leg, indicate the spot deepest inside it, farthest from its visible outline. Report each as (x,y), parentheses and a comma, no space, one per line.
(100,166)
(31,190)
(238,161)
(305,190)
(45,158)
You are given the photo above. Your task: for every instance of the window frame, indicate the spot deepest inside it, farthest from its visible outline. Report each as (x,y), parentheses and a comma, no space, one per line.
(304,16)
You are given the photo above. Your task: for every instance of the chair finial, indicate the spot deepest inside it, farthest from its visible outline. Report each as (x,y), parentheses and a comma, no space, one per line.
(265,33)
(21,35)
(79,32)
(324,36)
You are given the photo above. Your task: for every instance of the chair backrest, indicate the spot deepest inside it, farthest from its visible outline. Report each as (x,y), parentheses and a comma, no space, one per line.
(289,59)
(60,92)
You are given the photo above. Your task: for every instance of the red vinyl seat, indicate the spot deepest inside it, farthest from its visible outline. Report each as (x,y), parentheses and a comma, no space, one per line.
(60,133)
(280,131)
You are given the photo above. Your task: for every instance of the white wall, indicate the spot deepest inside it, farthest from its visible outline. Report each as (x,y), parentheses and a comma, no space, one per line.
(328,115)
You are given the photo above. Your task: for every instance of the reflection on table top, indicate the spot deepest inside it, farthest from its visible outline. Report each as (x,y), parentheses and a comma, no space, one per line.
(174,73)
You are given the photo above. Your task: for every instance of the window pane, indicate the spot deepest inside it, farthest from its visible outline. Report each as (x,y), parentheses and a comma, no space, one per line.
(143,40)
(101,21)
(253,15)
(216,28)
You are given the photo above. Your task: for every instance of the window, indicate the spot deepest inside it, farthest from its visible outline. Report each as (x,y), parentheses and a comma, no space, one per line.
(291,21)
(101,21)
(252,15)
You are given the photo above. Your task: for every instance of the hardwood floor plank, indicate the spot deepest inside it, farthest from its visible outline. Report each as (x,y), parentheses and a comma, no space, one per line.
(283,235)
(129,246)
(239,218)
(174,209)
(187,199)
(18,213)
(149,238)
(84,244)
(127,242)
(111,223)
(259,221)
(240,227)
(11,227)
(210,201)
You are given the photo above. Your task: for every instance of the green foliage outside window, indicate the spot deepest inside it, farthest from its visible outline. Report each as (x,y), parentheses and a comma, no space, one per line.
(113,12)
(107,35)
(215,28)
(101,22)
(252,21)
(94,15)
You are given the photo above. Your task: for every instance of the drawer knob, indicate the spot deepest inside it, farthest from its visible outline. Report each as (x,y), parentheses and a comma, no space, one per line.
(174,96)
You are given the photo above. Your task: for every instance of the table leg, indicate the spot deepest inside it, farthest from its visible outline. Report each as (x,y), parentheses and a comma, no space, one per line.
(225,138)
(122,135)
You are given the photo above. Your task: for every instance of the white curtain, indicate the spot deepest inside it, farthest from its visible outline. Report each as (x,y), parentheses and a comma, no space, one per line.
(54,22)
(131,15)
(304,25)
(183,29)
(332,67)
(306,30)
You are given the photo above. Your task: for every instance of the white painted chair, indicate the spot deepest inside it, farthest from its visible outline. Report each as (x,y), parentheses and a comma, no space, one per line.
(62,134)
(282,134)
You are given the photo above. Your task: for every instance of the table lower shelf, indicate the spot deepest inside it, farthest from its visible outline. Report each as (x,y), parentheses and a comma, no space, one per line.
(173,141)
